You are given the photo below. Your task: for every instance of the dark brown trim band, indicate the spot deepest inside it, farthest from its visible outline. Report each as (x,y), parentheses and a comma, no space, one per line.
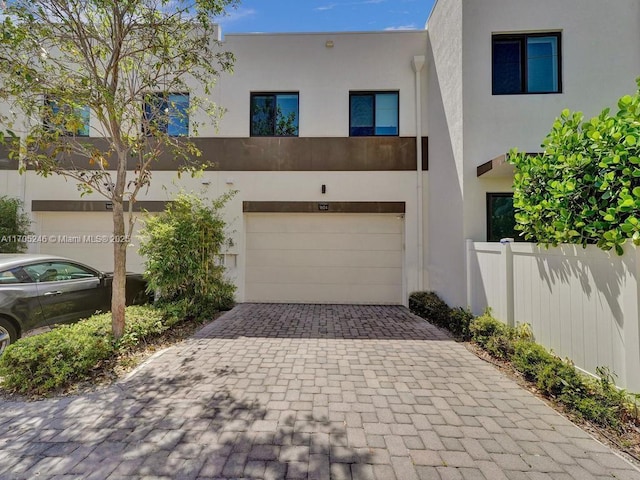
(425,154)
(323,207)
(306,154)
(92,206)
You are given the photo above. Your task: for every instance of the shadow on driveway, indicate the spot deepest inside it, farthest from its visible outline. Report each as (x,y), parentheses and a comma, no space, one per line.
(366,322)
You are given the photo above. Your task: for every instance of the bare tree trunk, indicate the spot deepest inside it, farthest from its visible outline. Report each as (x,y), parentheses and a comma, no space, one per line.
(118,295)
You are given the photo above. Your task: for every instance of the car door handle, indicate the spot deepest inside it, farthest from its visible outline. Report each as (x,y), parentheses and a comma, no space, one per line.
(57,292)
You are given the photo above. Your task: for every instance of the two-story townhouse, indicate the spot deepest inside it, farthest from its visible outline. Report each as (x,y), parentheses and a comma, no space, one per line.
(326,206)
(363,161)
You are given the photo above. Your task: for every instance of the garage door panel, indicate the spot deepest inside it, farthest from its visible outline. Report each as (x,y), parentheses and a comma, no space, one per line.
(317,223)
(324,258)
(325,275)
(322,241)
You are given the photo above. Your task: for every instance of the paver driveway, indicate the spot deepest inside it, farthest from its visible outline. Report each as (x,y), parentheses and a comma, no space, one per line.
(306,391)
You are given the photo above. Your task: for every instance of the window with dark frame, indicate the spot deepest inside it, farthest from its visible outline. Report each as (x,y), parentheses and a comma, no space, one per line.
(274,114)
(72,121)
(373,114)
(526,63)
(501,219)
(166,113)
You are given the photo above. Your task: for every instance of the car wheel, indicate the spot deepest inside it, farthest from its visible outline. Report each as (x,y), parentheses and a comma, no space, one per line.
(8,334)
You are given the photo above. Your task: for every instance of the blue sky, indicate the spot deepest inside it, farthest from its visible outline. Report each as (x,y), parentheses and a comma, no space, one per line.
(326,15)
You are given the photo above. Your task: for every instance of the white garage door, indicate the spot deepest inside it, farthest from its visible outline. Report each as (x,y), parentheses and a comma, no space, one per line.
(85,237)
(324,258)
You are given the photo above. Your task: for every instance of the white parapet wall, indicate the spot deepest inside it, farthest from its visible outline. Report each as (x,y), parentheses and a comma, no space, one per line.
(582,303)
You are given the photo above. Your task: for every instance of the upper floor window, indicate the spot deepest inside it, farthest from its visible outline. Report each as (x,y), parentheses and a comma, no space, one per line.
(527,63)
(66,119)
(274,114)
(373,113)
(167,113)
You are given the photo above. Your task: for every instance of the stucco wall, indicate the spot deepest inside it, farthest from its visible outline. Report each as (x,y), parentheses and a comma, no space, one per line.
(445,243)
(251,186)
(600,61)
(469,126)
(322,76)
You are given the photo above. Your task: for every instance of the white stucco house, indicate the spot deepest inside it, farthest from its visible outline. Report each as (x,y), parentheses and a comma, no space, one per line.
(396,155)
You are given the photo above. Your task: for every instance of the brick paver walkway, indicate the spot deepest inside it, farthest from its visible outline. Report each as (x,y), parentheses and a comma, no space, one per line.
(306,391)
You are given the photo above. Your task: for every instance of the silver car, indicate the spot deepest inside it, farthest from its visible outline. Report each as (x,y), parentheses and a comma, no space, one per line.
(41,290)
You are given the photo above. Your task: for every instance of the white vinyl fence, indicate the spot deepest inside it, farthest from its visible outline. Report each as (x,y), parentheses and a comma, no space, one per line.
(583,304)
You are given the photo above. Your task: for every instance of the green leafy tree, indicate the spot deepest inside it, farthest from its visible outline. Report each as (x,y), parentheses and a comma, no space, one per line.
(115,60)
(15,225)
(585,187)
(182,247)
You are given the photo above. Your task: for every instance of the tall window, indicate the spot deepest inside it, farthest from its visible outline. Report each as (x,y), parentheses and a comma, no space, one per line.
(373,113)
(501,219)
(69,120)
(167,113)
(528,63)
(274,114)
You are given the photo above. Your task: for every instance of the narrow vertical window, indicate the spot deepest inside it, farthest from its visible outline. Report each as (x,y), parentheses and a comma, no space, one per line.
(501,219)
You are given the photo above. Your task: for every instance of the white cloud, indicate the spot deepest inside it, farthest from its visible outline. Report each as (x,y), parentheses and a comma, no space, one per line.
(331,6)
(411,26)
(325,7)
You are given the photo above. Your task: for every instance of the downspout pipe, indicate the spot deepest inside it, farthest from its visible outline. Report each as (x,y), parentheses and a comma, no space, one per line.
(417,63)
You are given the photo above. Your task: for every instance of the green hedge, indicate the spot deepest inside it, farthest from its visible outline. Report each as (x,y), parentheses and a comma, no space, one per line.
(46,362)
(53,360)
(430,306)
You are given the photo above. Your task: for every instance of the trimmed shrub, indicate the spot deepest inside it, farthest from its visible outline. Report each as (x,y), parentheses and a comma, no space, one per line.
(558,377)
(603,403)
(459,322)
(598,401)
(430,306)
(530,358)
(492,335)
(143,323)
(486,326)
(43,363)
(592,409)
